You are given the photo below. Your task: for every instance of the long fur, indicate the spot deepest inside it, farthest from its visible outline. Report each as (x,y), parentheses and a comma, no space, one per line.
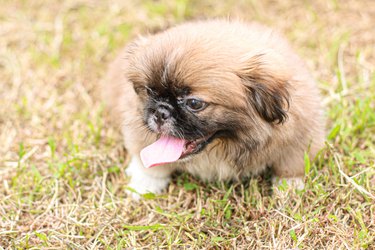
(259,91)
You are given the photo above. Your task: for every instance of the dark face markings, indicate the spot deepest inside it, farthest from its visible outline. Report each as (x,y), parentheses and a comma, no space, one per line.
(171,108)
(164,108)
(164,112)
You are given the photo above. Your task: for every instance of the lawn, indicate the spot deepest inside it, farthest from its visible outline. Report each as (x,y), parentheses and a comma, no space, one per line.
(62,181)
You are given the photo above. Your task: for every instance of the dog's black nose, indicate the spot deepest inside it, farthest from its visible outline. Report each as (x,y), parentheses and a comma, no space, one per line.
(162,115)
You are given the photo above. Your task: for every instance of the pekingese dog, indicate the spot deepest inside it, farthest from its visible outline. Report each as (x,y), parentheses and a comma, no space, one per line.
(219,99)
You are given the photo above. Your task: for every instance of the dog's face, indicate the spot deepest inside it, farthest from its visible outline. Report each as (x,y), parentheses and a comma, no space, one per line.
(199,92)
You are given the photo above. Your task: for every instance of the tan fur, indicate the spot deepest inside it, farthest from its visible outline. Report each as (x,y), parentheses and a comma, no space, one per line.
(221,60)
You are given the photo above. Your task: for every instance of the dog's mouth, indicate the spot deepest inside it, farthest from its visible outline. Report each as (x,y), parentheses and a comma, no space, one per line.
(197,145)
(169,149)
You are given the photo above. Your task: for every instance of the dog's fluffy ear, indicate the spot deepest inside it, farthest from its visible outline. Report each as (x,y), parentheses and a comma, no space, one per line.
(266,81)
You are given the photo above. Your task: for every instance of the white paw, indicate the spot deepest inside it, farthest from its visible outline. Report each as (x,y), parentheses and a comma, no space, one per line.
(144,180)
(146,184)
(295,182)
(132,167)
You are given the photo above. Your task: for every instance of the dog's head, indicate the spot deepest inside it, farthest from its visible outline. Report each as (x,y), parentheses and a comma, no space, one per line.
(198,89)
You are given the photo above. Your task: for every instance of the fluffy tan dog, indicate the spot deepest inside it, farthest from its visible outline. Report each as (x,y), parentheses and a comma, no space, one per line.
(219,99)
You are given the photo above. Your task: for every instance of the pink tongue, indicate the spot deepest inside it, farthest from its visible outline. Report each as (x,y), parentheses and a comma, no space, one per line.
(165,150)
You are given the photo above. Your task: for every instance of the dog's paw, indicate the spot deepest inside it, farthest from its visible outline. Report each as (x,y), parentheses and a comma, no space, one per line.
(146,184)
(134,166)
(294,182)
(143,181)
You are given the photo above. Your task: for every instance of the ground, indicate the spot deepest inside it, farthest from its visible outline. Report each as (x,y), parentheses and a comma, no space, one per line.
(62,164)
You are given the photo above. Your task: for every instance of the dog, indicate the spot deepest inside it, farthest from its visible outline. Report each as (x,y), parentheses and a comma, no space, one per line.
(220,99)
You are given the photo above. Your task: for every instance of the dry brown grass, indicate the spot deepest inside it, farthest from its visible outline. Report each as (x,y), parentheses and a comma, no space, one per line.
(61,164)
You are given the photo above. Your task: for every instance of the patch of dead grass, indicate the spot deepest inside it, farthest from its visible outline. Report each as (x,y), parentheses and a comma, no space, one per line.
(61,163)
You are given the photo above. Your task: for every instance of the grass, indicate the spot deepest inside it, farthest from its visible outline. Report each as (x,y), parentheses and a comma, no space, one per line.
(62,164)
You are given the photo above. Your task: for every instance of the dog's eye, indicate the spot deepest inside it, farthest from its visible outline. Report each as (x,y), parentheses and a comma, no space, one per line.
(195,104)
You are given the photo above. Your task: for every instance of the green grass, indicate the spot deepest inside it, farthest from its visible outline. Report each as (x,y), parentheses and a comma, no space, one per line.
(62,164)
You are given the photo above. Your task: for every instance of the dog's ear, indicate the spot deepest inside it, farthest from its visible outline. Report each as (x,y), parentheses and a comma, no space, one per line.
(266,81)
